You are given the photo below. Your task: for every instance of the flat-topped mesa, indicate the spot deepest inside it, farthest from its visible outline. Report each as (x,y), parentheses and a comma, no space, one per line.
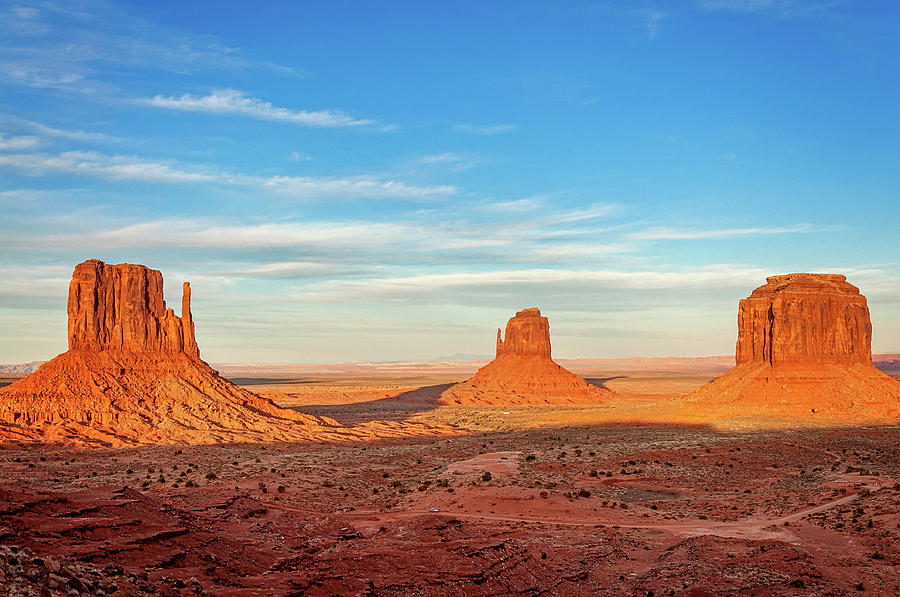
(804,318)
(527,334)
(121,307)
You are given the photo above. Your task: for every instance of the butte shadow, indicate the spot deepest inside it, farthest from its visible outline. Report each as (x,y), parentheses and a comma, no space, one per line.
(133,375)
(803,358)
(523,372)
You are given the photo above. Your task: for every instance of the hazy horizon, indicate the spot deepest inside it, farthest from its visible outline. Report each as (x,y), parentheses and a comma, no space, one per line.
(360,182)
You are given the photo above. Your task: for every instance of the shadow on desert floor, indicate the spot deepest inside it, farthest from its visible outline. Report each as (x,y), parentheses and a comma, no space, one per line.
(400,408)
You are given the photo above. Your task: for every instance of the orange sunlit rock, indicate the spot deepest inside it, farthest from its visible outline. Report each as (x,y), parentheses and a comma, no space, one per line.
(523,371)
(133,375)
(803,354)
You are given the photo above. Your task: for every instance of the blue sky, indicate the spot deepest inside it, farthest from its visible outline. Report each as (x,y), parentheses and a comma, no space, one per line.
(345,181)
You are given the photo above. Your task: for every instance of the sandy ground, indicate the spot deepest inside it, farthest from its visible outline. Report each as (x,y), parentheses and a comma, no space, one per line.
(529,501)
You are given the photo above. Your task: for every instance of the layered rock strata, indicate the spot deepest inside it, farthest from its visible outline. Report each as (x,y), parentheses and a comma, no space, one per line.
(803,354)
(133,375)
(523,372)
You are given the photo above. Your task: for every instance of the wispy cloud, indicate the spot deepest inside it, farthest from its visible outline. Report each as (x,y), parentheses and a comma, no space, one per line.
(87,163)
(72,47)
(453,161)
(205,234)
(536,280)
(664,233)
(18,143)
(233,101)
(653,21)
(55,132)
(484,129)
(777,8)
(130,168)
(349,187)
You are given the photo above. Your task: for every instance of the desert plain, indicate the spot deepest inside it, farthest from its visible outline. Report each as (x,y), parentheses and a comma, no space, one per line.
(511,500)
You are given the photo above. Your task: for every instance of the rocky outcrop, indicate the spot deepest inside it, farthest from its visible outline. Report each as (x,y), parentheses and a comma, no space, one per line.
(133,375)
(527,334)
(121,307)
(523,373)
(804,318)
(803,357)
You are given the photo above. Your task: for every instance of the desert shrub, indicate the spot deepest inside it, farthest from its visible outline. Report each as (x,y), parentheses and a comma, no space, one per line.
(544,494)
(396,483)
(282,489)
(593,473)
(190,483)
(487,476)
(584,493)
(797,583)
(530,457)
(210,475)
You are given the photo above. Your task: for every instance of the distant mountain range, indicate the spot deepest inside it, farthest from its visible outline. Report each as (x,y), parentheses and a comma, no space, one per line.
(21,368)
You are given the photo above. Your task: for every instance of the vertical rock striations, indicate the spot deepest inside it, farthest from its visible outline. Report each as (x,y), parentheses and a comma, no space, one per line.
(523,372)
(121,307)
(797,318)
(527,334)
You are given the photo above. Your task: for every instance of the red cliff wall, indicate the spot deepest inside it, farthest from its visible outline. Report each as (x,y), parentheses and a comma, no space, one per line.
(804,318)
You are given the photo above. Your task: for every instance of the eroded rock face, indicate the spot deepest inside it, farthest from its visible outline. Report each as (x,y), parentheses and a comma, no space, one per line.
(523,371)
(121,307)
(527,334)
(804,318)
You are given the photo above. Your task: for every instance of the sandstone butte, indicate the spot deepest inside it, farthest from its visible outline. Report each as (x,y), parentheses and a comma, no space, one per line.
(133,375)
(803,355)
(523,373)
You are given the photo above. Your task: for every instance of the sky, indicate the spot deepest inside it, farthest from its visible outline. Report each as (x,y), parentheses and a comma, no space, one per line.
(368,181)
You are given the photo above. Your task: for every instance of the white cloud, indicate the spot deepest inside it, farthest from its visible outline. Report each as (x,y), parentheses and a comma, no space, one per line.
(653,21)
(72,47)
(86,163)
(529,281)
(664,233)
(785,9)
(18,143)
(367,187)
(593,212)
(232,101)
(454,161)
(130,168)
(202,234)
(484,129)
(49,131)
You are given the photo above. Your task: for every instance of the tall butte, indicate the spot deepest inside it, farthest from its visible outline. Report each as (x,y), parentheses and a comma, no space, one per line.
(804,354)
(133,375)
(523,373)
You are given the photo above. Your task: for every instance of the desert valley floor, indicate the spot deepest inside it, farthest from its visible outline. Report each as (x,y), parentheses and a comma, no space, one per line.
(511,500)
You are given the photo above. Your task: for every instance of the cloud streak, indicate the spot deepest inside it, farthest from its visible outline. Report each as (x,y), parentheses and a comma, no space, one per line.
(235,102)
(484,129)
(665,233)
(130,168)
